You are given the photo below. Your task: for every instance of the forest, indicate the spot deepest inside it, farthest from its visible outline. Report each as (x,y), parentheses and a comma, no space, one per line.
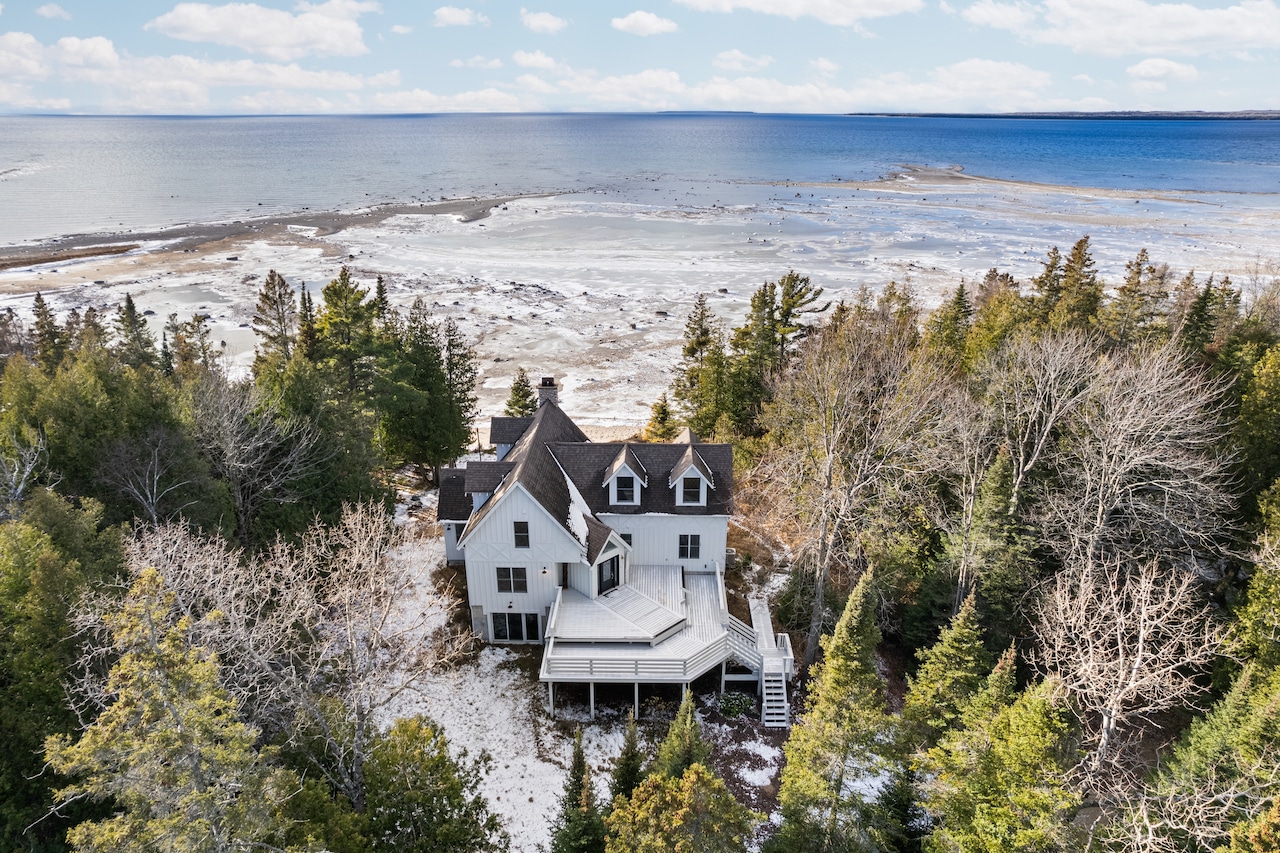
(1029,537)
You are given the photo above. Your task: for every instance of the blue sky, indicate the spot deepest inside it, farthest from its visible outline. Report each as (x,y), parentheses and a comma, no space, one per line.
(816,56)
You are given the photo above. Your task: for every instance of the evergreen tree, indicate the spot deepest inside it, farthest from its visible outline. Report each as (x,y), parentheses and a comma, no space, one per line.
(308,341)
(796,297)
(1137,310)
(628,769)
(1080,291)
(1004,781)
(275,320)
(839,743)
(169,750)
(950,672)
(381,304)
(420,799)
(135,345)
(683,746)
(690,813)
(345,336)
(49,344)
(947,328)
(521,402)
(1048,286)
(578,826)
(662,424)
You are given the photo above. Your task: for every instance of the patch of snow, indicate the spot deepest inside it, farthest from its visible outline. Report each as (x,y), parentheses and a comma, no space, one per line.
(579,512)
(768,752)
(758,777)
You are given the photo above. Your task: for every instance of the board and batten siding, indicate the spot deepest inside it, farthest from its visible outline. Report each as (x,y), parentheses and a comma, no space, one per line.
(492,544)
(655,539)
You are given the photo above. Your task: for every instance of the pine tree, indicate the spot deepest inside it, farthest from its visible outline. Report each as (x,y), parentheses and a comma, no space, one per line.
(275,319)
(683,746)
(1080,294)
(1048,286)
(135,345)
(628,769)
(49,344)
(950,672)
(947,328)
(796,297)
(1137,310)
(381,304)
(839,742)
(662,424)
(690,813)
(521,402)
(1004,781)
(345,336)
(169,752)
(307,338)
(578,826)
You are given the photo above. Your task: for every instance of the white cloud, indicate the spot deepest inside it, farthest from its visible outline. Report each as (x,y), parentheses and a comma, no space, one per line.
(736,60)
(534,83)
(401,29)
(640,23)
(53,10)
(95,52)
(322,29)
(1083,78)
(477,62)
(274,101)
(452,16)
(1129,27)
(22,55)
(840,13)
(537,59)
(542,22)
(19,96)
(824,66)
(423,101)
(1163,70)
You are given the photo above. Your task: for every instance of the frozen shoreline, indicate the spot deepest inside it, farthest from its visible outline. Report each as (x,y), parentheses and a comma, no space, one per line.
(593,287)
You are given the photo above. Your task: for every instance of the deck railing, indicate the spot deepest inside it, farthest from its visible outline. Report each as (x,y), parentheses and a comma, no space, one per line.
(557,666)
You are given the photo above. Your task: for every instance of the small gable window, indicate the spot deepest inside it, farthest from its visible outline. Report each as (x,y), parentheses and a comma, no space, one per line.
(690,546)
(626,487)
(522,534)
(691,490)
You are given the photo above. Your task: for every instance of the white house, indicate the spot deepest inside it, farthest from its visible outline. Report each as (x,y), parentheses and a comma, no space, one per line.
(611,555)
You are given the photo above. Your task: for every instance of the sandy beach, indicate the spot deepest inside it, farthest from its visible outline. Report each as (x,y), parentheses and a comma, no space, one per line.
(593,287)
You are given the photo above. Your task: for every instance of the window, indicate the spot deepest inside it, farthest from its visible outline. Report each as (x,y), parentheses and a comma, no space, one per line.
(522,534)
(691,490)
(626,487)
(626,537)
(516,627)
(608,574)
(690,546)
(512,579)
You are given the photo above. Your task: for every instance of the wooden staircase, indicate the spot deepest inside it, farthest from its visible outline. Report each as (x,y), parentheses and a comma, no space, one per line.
(775,709)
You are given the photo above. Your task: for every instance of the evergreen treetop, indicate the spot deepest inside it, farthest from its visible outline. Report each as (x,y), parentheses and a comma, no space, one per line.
(683,746)
(521,402)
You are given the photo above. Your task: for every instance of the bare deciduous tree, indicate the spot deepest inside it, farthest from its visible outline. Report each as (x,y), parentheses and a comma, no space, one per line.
(1127,642)
(853,414)
(250,445)
(1138,470)
(147,472)
(22,457)
(316,643)
(1033,384)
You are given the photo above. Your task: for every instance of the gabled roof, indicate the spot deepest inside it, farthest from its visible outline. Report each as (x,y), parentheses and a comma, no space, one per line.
(691,459)
(535,469)
(503,430)
(626,456)
(559,467)
(454,505)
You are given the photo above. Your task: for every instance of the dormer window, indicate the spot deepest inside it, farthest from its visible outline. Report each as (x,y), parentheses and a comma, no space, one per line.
(691,490)
(626,487)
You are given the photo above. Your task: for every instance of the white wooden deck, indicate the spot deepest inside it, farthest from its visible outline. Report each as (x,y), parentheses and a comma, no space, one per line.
(701,643)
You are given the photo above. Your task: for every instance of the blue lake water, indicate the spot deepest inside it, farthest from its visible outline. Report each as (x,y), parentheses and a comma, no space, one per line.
(61,175)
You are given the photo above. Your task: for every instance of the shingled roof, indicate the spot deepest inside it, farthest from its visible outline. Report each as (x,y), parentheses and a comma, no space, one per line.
(503,430)
(553,452)
(454,504)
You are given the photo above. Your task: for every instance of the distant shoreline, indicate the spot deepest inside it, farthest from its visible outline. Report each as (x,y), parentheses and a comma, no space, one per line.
(1117,115)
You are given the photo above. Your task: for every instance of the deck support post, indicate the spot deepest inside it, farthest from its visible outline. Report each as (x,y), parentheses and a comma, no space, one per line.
(636,712)
(591,685)
(723,668)
(551,698)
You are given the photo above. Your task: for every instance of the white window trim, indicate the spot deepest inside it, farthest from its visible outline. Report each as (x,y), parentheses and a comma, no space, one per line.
(702,489)
(636,486)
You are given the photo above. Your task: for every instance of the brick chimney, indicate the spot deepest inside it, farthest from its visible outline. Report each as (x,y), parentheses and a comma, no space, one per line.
(548,391)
